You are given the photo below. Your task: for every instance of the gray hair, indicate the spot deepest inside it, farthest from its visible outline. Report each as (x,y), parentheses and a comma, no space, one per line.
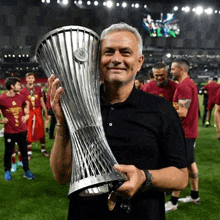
(124,27)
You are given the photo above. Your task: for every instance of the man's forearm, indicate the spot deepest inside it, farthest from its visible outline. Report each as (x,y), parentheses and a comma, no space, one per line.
(170,178)
(61,156)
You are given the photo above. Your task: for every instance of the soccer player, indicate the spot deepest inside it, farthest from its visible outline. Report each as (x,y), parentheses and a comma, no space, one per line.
(211,89)
(35,123)
(15,110)
(185,101)
(162,86)
(217,114)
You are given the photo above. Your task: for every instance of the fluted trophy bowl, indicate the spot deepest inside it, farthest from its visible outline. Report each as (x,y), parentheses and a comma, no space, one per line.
(71,53)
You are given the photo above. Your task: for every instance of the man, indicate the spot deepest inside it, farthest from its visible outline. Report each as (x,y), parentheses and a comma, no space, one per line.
(162,86)
(185,101)
(211,89)
(217,114)
(139,81)
(15,110)
(35,123)
(141,129)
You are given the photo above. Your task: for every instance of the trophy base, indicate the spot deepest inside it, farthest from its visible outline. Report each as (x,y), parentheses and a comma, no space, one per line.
(93,186)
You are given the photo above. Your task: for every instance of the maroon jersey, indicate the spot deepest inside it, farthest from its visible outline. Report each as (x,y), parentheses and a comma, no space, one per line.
(212,89)
(188,90)
(13,109)
(33,96)
(217,98)
(167,91)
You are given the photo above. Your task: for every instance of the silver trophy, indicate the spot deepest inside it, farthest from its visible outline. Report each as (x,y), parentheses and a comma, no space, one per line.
(71,53)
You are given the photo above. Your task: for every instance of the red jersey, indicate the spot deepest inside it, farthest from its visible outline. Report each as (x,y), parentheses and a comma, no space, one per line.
(167,91)
(13,109)
(33,96)
(188,90)
(217,98)
(212,89)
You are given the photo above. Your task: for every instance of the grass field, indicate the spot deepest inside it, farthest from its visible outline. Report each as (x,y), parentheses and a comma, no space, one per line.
(44,199)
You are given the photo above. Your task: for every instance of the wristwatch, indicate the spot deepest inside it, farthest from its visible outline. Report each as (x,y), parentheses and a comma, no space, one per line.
(148,182)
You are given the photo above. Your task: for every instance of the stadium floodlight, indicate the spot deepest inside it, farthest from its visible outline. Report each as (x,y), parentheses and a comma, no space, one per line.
(65,2)
(117,4)
(47,1)
(208,11)
(216,11)
(175,8)
(109,4)
(145,6)
(124,4)
(187,9)
(80,2)
(199,10)
(43,1)
(88,3)
(96,3)
(136,5)
(58,1)
(168,55)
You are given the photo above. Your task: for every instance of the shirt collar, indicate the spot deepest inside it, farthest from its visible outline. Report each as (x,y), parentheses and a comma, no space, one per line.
(131,100)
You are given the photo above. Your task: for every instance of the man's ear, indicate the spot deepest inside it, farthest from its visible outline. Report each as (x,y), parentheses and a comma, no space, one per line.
(140,62)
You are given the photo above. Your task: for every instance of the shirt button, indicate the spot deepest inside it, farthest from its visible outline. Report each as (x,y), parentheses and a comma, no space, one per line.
(110,124)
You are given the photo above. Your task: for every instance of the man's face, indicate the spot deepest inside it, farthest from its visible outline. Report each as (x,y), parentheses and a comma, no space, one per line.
(120,61)
(160,75)
(30,79)
(175,70)
(16,87)
(138,84)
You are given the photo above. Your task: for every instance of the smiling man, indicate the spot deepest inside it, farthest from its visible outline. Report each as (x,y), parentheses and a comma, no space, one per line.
(162,86)
(143,132)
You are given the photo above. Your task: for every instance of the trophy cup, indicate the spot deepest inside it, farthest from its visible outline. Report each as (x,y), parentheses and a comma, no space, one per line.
(71,53)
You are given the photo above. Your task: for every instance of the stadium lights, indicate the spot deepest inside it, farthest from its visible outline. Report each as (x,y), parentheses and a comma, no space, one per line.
(124,4)
(175,8)
(208,11)
(80,2)
(88,3)
(109,4)
(187,9)
(199,10)
(117,4)
(96,3)
(168,55)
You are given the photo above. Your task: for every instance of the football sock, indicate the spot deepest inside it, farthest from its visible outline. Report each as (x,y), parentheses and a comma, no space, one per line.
(194,194)
(174,200)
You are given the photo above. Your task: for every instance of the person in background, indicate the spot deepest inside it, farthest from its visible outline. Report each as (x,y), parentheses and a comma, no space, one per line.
(15,110)
(139,81)
(162,86)
(35,123)
(205,104)
(185,101)
(211,88)
(217,114)
(143,131)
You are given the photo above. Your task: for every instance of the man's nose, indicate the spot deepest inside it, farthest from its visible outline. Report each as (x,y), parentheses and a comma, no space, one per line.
(117,58)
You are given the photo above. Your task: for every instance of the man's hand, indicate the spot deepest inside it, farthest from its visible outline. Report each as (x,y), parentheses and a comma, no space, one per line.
(136,179)
(25,118)
(4,121)
(55,99)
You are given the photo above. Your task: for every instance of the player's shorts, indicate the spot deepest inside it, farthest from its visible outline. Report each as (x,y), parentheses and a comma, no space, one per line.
(210,105)
(190,143)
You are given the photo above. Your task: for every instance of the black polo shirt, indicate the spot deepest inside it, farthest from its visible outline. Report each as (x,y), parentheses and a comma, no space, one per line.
(144,131)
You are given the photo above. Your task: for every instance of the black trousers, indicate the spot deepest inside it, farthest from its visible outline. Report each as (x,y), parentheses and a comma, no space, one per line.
(10,139)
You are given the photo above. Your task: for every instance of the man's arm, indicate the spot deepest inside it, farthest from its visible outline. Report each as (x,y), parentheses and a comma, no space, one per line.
(26,112)
(217,120)
(44,107)
(166,179)
(61,154)
(183,107)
